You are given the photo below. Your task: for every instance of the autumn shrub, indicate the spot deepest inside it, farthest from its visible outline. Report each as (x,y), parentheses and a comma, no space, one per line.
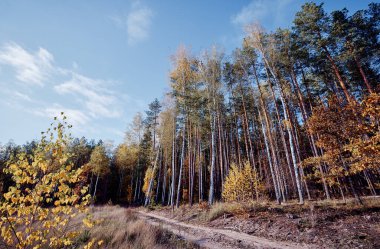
(147,178)
(242,184)
(47,192)
(349,136)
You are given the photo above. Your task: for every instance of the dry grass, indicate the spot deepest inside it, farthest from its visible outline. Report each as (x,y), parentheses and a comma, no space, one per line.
(206,213)
(120,228)
(222,208)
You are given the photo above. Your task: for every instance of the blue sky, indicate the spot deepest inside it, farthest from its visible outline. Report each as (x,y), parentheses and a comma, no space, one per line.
(102,61)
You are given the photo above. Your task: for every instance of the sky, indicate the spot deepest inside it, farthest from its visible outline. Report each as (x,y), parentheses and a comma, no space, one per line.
(100,62)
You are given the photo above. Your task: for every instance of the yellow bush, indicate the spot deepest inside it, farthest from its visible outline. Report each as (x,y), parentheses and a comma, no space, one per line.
(241,184)
(148,176)
(46,194)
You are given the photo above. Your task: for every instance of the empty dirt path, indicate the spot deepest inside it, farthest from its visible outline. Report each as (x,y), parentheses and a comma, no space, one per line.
(214,238)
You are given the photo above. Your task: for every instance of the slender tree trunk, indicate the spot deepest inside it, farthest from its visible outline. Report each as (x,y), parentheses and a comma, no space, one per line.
(275,185)
(269,141)
(181,166)
(136,188)
(349,178)
(370,185)
(212,170)
(121,182)
(245,120)
(339,77)
(163,197)
(221,164)
(151,181)
(310,136)
(96,186)
(369,88)
(159,178)
(200,174)
(292,148)
(169,203)
(91,182)
(172,191)
(284,144)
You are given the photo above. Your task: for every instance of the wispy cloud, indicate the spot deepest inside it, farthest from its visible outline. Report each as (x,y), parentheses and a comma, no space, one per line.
(136,23)
(30,68)
(273,13)
(76,117)
(22,96)
(98,101)
(83,99)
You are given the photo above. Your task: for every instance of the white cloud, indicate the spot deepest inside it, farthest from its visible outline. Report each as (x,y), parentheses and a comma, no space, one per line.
(87,102)
(98,101)
(22,96)
(76,117)
(272,12)
(31,68)
(35,68)
(136,23)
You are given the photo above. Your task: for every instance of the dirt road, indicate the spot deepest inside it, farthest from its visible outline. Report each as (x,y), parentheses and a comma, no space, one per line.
(214,238)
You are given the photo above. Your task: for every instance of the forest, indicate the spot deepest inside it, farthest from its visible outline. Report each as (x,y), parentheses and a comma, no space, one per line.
(290,116)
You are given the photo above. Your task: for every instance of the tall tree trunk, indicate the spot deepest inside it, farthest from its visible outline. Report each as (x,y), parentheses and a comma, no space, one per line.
(245,121)
(284,144)
(91,182)
(292,150)
(338,75)
(151,181)
(212,170)
(274,170)
(96,186)
(159,177)
(311,136)
(136,188)
(291,142)
(163,196)
(172,193)
(369,88)
(200,173)
(275,184)
(221,163)
(181,166)
(121,183)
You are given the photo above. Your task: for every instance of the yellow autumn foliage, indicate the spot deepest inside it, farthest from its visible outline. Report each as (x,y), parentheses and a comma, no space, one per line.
(47,193)
(148,176)
(242,184)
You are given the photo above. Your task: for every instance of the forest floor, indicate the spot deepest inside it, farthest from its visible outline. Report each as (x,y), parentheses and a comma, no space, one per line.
(316,224)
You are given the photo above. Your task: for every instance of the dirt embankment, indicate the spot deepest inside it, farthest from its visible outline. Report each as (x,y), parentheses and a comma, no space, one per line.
(308,226)
(216,238)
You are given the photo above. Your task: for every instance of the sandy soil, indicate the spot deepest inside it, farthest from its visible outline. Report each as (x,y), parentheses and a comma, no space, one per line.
(216,238)
(273,227)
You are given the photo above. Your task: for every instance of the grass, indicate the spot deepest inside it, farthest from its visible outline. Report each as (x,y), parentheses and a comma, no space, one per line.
(120,228)
(219,209)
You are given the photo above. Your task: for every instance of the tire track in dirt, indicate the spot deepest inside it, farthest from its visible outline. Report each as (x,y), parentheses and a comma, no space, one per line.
(215,238)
